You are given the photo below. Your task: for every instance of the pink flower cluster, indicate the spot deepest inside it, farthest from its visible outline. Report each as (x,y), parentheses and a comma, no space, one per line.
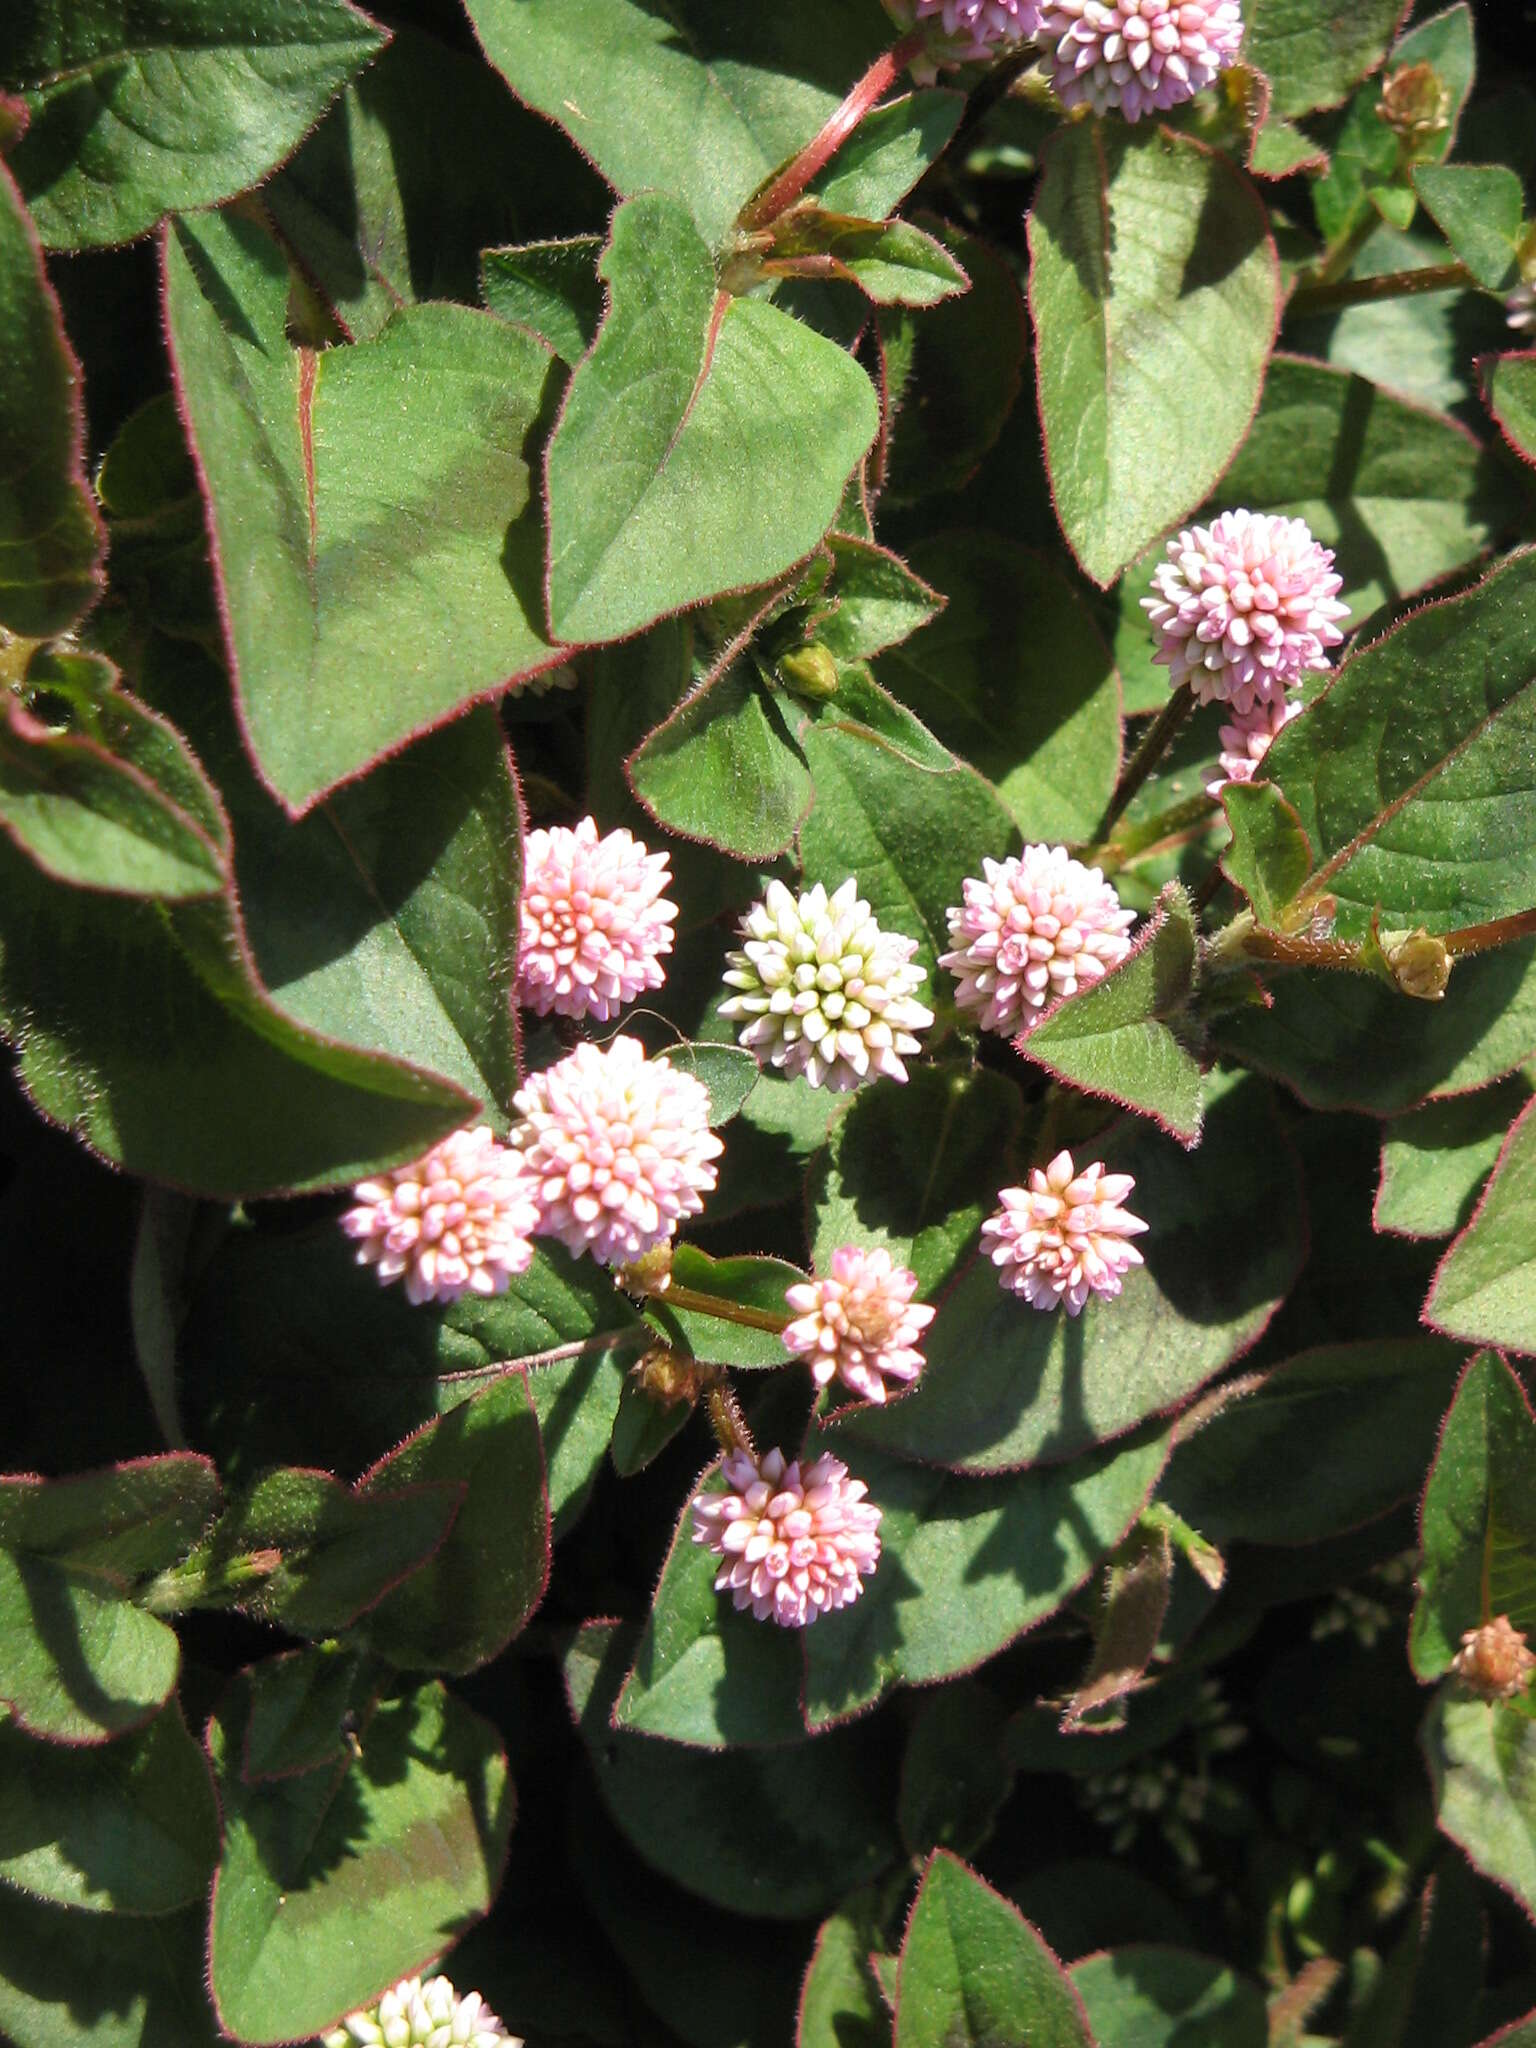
(1245,742)
(455,1222)
(595,923)
(794,1545)
(859,1324)
(965,31)
(1064,1236)
(1035,927)
(1136,57)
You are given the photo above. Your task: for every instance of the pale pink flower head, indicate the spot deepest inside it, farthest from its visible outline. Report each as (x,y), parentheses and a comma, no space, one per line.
(824,992)
(965,31)
(594,921)
(794,1545)
(1136,57)
(456,1222)
(859,1324)
(1064,1236)
(1246,741)
(617,1149)
(417,2015)
(1245,607)
(1034,927)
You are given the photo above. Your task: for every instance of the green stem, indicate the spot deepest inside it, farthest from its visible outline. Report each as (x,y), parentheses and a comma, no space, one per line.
(727,1420)
(781,194)
(1154,745)
(1324,295)
(1132,841)
(701,1304)
(191,1584)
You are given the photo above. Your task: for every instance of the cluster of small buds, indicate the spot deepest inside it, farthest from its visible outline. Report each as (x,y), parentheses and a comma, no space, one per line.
(824,992)
(417,2015)
(1494,1661)
(455,1222)
(965,31)
(1137,57)
(595,921)
(794,1545)
(618,1149)
(1064,1236)
(1246,741)
(859,1324)
(1032,928)
(1244,608)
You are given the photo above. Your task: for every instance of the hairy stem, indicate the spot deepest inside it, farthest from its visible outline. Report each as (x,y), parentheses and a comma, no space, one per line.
(726,1311)
(1146,757)
(1482,938)
(1325,295)
(801,170)
(727,1420)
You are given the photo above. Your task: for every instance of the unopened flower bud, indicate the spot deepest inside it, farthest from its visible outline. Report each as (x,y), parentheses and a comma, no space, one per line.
(810,672)
(651,1273)
(1415,103)
(1418,963)
(1493,1660)
(669,1376)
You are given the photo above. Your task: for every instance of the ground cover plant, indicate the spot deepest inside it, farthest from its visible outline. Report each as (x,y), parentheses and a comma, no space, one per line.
(768,939)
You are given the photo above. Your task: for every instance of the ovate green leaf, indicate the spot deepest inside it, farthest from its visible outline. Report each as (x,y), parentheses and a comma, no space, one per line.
(1479,208)
(1313,51)
(1482,1762)
(1485,1290)
(1435,1160)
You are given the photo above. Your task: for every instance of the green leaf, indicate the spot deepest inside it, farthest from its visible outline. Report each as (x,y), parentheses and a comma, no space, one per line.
(1435,1160)
(51,540)
(754,1283)
(725,768)
(643,1425)
(840,2006)
(387,918)
(1359,1419)
(915,1170)
(340,1550)
(975,1974)
(1111,1038)
(333,1885)
(888,152)
(92,800)
(950,375)
(1342,1041)
(726,96)
(552,287)
(1478,1523)
(1446,43)
(302,1705)
(1145,1997)
(705,441)
(1509,385)
(136,113)
(1127,323)
(1482,1763)
(1420,805)
(481,1585)
(1313,51)
(129,1827)
(1269,858)
(1483,1288)
(1016,678)
(822,1811)
(910,834)
(79,1663)
(891,261)
(1480,209)
(967,1565)
(1006,1386)
(728,1071)
(954,1776)
(876,600)
(103,1980)
(367,598)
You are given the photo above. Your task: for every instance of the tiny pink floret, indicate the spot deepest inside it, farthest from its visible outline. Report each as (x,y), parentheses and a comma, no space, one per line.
(617,1148)
(1033,928)
(794,1546)
(595,921)
(455,1222)
(859,1324)
(1137,57)
(965,31)
(1244,608)
(1064,1236)
(1246,741)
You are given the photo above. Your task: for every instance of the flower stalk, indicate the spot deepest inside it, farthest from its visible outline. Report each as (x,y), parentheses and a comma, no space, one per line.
(1154,744)
(801,171)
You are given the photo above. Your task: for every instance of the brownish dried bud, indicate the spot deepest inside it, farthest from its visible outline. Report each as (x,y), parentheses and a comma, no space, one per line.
(649,1274)
(1415,103)
(668,1375)
(1493,1660)
(1419,964)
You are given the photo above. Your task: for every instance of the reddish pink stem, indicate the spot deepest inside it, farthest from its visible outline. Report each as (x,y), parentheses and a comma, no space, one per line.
(796,175)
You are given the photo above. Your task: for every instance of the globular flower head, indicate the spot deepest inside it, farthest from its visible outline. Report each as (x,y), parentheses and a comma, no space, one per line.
(965,31)
(456,1222)
(794,1545)
(1064,1236)
(1032,928)
(417,2015)
(1245,607)
(617,1148)
(1245,742)
(1136,57)
(1494,1661)
(594,921)
(824,992)
(859,1324)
